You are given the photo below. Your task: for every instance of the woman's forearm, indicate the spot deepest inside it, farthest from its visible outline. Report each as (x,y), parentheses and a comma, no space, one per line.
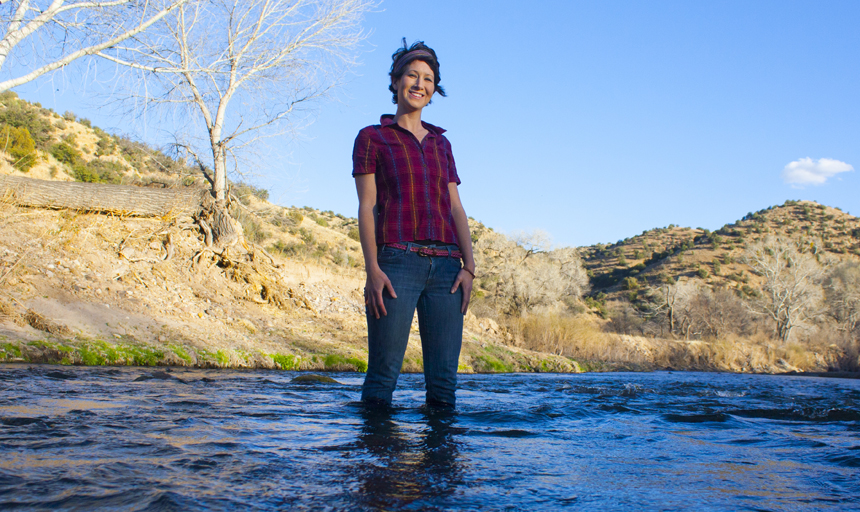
(367,235)
(464,236)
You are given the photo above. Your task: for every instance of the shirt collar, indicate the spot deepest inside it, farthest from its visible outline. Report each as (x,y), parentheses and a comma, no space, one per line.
(388,120)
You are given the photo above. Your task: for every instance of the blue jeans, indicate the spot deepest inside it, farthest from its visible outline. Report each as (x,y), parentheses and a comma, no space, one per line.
(424,282)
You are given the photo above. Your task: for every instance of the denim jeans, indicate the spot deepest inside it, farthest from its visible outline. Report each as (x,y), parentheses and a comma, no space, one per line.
(424,282)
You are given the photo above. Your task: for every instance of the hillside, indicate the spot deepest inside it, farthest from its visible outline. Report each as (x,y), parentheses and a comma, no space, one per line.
(89,288)
(716,258)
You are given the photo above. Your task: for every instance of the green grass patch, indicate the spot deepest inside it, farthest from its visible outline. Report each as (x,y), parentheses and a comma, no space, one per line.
(50,344)
(337,361)
(487,363)
(12,349)
(181,353)
(222,357)
(286,361)
(219,356)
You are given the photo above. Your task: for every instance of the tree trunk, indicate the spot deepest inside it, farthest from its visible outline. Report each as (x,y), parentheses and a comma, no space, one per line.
(97,197)
(220,228)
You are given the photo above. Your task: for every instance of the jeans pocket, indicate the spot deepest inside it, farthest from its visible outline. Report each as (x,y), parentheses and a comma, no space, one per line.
(389,253)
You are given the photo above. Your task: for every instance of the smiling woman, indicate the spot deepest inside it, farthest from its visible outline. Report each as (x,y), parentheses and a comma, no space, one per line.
(413,232)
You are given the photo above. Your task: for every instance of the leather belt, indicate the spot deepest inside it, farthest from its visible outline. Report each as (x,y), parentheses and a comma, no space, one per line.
(427,251)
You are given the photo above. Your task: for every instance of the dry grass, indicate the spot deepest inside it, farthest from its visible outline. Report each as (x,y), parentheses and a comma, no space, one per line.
(581,338)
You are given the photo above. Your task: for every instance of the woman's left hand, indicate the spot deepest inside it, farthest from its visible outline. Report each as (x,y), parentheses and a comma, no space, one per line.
(464,281)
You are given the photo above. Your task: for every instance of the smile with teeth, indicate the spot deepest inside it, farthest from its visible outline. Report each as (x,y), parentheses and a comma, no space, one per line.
(416,95)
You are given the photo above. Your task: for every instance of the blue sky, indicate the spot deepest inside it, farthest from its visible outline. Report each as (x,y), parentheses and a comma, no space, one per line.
(595,121)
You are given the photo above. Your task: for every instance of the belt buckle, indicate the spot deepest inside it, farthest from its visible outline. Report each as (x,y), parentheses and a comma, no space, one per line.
(425,251)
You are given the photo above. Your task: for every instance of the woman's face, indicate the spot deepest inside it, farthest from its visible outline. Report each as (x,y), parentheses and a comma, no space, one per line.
(416,86)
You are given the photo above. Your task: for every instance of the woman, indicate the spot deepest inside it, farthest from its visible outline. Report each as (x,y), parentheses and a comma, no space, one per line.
(414,232)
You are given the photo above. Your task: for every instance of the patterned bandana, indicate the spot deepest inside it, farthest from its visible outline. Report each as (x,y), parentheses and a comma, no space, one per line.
(408,57)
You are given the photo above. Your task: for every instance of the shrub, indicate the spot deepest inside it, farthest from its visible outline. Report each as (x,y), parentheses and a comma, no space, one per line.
(703,273)
(307,237)
(630,283)
(321,221)
(354,234)
(20,115)
(296,217)
(105,145)
(65,153)
(20,146)
(253,230)
(68,115)
(244,190)
(105,171)
(86,122)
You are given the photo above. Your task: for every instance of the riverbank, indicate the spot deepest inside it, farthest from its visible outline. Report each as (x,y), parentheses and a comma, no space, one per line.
(90,289)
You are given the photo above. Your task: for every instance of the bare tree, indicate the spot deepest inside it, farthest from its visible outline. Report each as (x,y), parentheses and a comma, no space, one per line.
(791,289)
(522,276)
(55,33)
(241,68)
(842,288)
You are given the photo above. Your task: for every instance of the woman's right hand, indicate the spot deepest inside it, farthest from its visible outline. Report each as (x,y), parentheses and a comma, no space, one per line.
(377,281)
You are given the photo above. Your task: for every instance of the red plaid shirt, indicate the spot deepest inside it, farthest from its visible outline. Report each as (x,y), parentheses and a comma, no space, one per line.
(411,181)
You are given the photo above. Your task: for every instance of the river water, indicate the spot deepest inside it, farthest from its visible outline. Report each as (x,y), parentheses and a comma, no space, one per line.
(76,438)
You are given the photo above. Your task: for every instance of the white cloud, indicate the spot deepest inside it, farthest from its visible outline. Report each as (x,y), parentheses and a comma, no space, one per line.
(807,171)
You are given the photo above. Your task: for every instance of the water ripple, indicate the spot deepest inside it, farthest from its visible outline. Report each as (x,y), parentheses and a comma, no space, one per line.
(144,439)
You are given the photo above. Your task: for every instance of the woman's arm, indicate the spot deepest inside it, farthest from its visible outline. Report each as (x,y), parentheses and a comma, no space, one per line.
(377,281)
(461,225)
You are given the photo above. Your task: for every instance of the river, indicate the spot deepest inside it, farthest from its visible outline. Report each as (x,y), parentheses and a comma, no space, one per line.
(96,438)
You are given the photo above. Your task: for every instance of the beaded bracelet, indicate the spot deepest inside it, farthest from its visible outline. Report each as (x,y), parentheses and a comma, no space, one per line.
(470,272)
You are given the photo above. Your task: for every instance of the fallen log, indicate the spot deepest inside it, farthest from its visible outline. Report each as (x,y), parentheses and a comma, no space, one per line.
(122,200)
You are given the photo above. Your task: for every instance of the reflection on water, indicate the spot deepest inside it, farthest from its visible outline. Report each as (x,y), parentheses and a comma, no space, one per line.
(144,439)
(402,470)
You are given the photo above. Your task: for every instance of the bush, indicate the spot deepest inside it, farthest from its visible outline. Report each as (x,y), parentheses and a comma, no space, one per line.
(105,145)
(66,153)
(630,283)
(307,237)
(354,234)
(19,114)
(20,146)
(322,222)
(105,170)
(296,217)
(244,190)
(253,229)
(702,273)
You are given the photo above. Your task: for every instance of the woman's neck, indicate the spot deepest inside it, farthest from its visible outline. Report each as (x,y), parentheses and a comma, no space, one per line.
(409,120)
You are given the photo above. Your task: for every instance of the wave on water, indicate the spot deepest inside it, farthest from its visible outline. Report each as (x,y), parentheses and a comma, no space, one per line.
(152,439)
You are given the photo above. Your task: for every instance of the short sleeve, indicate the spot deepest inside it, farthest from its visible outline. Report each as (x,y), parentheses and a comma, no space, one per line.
(363,154)
(453,177)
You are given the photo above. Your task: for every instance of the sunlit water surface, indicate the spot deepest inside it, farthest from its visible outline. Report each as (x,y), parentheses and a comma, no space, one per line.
(143,439)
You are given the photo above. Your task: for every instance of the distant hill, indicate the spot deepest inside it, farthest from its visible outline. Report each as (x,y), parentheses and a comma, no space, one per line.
(714,258)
